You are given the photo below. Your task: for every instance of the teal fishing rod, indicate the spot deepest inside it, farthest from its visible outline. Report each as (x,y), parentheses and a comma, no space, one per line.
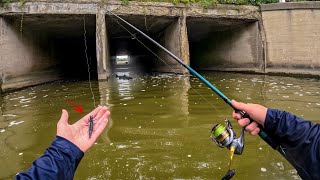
(262,132)
(222,136)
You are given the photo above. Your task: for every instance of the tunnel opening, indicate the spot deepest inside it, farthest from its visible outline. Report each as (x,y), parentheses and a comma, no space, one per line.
(139,58)
(65,44)
(224,44)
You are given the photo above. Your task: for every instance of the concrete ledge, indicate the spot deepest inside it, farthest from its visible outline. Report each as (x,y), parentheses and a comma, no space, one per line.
(291,5)
(293,71)
(252,70)
(134,8)
(31,79)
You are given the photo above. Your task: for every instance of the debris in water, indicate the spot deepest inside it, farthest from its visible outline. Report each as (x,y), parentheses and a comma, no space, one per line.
(263,169)
(189,155)
(15,123)
(2,130)
(9,115)
(20,154)
(280,165)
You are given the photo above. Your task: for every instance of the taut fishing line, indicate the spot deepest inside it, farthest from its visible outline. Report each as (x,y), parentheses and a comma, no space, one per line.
(21,25)
(87,59)
(135,37)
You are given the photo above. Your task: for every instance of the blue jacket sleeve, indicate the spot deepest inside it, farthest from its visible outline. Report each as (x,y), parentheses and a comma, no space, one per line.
(300,140)
(58,162)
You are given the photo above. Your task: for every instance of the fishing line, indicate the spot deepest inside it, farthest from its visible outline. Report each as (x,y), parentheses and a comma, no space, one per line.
(135,37)
(145,22)
(21,25)
(87,59)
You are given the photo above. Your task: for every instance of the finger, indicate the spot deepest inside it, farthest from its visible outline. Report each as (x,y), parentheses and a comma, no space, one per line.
(255,131)
(240,106)
(236,115)
(243,122)
(93,113)
(251,127)
(101,113)
(64,117)
(103,121)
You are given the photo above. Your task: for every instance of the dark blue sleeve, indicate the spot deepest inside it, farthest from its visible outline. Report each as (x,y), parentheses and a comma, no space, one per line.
(300,140)
(59,161)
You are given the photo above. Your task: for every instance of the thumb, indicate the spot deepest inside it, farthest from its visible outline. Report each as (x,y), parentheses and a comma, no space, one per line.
(64,117)
(240,106)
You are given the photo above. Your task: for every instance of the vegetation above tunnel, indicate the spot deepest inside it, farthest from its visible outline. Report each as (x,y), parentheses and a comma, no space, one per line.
(205,3)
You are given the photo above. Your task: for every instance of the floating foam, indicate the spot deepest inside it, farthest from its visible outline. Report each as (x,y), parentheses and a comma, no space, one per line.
(12,123)
(9,115)
(263,169)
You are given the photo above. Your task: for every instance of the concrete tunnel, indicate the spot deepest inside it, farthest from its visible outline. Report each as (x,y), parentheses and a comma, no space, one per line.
(125,41)
(52,43)
(225,44)
(55,43)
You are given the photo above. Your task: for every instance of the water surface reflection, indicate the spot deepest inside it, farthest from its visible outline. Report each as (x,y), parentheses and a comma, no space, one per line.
(159,128)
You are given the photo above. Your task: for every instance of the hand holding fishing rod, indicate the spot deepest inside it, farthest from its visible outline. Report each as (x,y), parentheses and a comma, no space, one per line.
(257,117)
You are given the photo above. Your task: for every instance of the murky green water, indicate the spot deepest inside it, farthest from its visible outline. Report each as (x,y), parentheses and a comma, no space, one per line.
(160,126)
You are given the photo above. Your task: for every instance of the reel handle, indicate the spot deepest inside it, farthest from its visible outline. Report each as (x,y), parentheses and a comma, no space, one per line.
(262,132)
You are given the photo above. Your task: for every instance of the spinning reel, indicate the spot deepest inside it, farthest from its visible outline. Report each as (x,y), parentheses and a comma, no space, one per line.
(224,136)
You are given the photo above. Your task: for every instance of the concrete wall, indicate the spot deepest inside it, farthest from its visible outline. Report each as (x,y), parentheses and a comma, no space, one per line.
(103,55)
(292,37)
(22,56)
(284,38)
(236,49)
(173,39)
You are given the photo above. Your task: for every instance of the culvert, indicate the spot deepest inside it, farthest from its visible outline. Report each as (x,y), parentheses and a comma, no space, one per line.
(225,44)
(52,43)
(141,57)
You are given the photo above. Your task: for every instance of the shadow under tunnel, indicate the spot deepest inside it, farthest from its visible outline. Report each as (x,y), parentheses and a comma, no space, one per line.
(75,46)
(224,44)
(61,43)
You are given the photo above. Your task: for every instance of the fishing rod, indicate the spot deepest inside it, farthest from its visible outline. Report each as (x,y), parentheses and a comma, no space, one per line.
(222,136)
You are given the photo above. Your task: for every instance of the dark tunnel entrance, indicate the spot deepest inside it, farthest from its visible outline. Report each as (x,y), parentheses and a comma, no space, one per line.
(127,53)
(224,44)
(58,42)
